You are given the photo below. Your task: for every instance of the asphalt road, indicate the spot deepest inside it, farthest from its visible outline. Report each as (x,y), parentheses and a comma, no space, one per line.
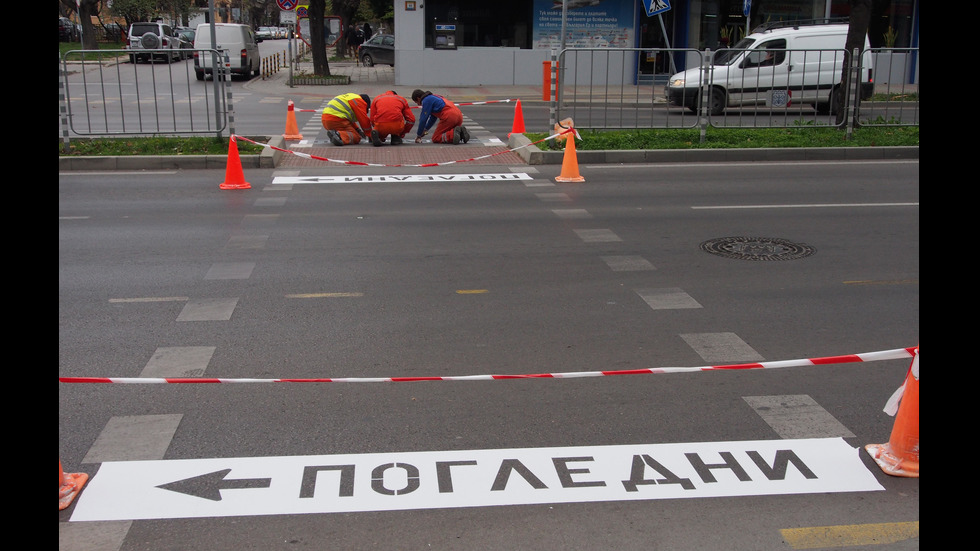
(162,274)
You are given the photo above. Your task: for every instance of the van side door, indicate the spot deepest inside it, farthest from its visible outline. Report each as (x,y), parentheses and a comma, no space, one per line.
(764,69)
(815,67)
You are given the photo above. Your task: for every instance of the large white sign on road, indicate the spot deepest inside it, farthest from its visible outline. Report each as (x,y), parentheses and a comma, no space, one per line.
(246,486)
(398,178)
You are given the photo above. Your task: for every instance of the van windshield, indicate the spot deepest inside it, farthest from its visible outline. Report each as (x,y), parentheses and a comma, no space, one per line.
(730,55)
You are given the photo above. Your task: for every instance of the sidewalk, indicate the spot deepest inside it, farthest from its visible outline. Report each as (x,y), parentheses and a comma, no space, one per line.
(381,78)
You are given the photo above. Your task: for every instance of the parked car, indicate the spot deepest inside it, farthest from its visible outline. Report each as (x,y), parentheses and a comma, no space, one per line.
(265,33)
(283,32)
(380,48)
(186,37)
(112,32)
(68,30)
(235,39)
(152,36)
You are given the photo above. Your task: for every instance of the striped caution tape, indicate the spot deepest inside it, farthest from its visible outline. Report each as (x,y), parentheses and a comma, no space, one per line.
(361,163)
(896,354)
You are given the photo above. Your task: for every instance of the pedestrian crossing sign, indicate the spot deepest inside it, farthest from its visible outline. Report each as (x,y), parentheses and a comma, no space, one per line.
(656,6)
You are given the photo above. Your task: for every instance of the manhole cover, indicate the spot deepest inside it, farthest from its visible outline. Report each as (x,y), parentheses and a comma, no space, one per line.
(757,248)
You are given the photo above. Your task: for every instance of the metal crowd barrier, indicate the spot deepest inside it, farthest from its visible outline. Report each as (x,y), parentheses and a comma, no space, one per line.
(102,93)
(600,88)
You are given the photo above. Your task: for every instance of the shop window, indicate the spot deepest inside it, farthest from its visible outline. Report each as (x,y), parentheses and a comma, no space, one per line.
(503,23)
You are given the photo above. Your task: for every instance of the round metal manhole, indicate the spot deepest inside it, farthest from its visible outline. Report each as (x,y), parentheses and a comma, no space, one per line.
(757,248)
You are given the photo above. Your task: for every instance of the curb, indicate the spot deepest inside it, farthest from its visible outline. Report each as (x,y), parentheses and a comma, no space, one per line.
(268,158)
(534,156)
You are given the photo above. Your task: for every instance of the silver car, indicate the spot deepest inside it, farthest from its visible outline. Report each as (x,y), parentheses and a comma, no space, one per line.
(147,36)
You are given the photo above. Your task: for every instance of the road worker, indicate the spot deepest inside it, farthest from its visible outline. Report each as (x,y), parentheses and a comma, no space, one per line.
(437,108)
(346,118)
(390,116)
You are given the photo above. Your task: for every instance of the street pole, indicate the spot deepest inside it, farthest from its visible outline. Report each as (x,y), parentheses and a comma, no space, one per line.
(214,66)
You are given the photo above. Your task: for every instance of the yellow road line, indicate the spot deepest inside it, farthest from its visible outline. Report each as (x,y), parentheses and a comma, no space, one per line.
(149,299)
(816,537)
(883,282)
(471,291)
(325,295)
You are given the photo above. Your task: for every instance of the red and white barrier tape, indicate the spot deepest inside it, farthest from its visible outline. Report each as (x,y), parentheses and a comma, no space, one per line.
(419,106)
(895,354)
(361,163)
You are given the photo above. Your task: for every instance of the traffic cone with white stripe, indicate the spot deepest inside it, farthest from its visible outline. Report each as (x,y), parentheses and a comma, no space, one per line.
(900,456)
(69,485)
(292,131)
(234,177)
(569,163)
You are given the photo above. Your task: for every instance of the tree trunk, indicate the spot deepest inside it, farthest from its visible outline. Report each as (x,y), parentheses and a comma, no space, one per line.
(87,9)
(321,65)
(857,29)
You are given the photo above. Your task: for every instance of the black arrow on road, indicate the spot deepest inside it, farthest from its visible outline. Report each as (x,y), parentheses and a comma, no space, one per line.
(209,486)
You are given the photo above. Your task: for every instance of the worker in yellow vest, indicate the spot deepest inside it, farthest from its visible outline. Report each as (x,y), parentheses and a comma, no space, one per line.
(346,119)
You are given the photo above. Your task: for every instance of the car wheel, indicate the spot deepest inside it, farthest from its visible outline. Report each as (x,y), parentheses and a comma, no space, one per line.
(835,100)
(829,108)
(132,59)
(367,60)
(716,102)
(199,75)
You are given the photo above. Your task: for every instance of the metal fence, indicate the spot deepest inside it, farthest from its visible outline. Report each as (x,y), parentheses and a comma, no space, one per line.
(101,94)
(600,88)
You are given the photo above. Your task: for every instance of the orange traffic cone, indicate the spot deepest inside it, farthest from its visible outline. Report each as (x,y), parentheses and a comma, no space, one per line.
(900,456)
(69,485)
(518,126)
(292,132)
(569,164)
(234,177)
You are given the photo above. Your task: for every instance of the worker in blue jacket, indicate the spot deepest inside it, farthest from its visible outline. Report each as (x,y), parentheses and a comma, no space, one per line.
(450,118)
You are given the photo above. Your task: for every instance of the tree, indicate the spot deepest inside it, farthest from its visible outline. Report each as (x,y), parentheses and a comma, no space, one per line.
(321,66)
(259,14)
(86,9)
(133,11)
(857,29)
(347,10)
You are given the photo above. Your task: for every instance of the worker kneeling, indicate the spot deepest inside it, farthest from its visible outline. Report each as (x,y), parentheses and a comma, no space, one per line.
(439,109)
(346,118)
(390,116)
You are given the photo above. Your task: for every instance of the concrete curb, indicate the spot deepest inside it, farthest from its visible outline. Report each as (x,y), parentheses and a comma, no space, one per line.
(268,158)
(534,156)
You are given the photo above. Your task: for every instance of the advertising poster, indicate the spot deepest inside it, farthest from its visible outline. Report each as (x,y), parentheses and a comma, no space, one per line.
(588,24)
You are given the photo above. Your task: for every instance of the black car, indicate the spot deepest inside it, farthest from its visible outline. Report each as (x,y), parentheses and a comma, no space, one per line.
(68,31)
(186,38)
(380,48)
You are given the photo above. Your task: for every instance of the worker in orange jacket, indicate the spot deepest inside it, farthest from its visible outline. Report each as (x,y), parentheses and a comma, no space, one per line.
(439,109)
(390,116)
(346,118)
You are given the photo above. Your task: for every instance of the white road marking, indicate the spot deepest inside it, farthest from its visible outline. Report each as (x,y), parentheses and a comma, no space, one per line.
(246,486)
(396,178)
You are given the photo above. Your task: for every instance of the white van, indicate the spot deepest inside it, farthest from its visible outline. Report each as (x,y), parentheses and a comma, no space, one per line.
(785,63)
(237,40)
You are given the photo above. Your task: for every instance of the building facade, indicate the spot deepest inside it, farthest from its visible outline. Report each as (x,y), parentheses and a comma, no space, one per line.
(465,43)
